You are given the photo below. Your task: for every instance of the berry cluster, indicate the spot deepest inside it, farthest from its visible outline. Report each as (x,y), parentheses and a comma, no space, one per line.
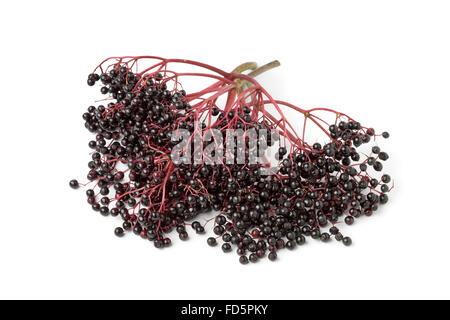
(133,174)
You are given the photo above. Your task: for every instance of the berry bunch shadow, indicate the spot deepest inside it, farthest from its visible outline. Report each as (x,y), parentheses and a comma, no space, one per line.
(312,188)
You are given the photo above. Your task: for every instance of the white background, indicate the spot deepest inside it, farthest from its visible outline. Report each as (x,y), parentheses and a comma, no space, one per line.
(386,63)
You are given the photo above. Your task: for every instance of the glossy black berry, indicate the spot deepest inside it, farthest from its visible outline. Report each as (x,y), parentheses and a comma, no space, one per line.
(272,256)
(183,235)
(349,220)
(119,232)
(243,259)
(253,257)
(347,241)
(74,184)
(212,241)
(226,247)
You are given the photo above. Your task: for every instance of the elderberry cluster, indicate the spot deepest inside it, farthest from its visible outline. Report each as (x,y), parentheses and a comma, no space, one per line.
(131,174)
